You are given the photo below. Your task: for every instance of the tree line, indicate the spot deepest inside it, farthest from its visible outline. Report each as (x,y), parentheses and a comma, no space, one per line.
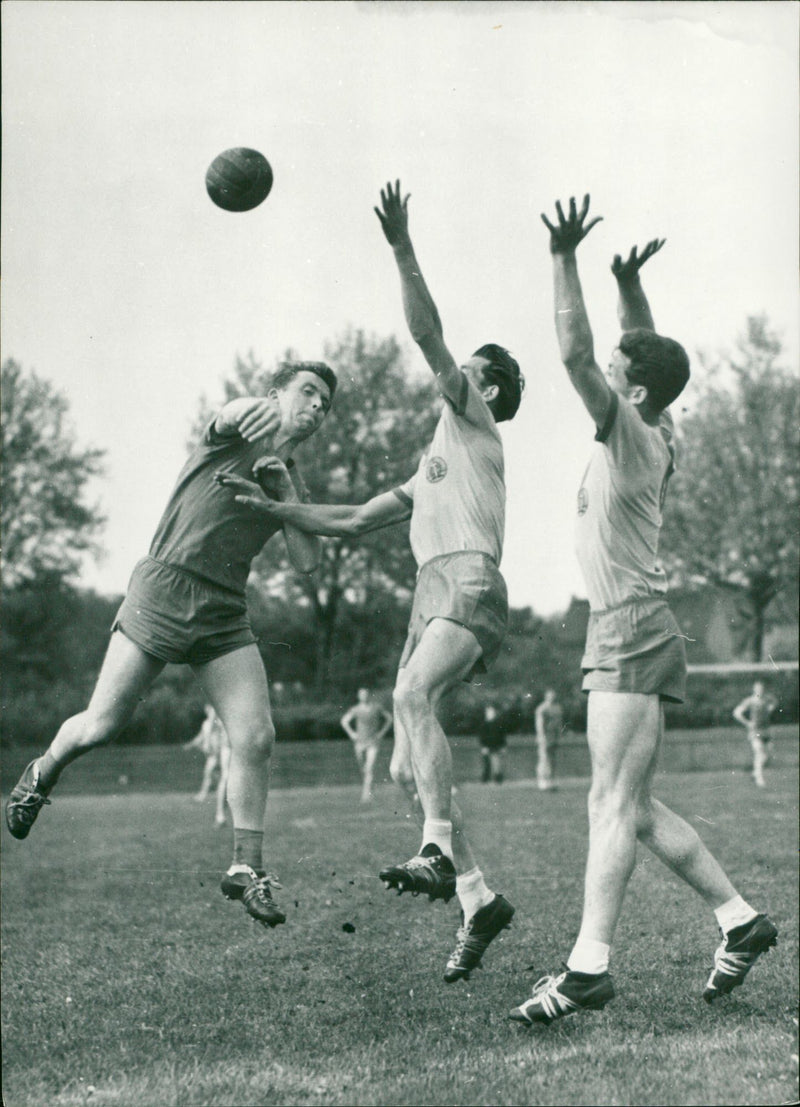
(731,521)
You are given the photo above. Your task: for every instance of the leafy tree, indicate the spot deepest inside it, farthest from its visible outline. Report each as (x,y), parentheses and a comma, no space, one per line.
(732,508)
(46,524)
(356,604)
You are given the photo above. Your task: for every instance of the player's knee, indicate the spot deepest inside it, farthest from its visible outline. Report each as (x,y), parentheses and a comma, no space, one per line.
(606,803)
(256,740)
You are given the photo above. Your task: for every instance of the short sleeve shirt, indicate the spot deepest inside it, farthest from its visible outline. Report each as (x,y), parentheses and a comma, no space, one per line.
(203,530)
(458,494)
(619,507)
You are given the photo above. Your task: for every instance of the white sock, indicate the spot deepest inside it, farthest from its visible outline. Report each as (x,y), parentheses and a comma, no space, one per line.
(440,833)
(589,955)
(736,912)
(472,892)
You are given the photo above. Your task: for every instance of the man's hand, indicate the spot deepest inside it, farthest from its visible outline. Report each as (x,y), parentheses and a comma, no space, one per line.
(252,417)
(570,231)
(394,217)
(273,478)
(627,270)
(249,493)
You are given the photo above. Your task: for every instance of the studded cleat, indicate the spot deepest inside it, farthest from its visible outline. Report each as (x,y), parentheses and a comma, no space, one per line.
(429,873)
(25,802)
(556,996)
(473,938)
(254,889)
(737,954)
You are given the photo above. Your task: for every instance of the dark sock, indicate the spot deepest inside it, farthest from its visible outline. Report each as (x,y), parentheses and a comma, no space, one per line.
(247,845)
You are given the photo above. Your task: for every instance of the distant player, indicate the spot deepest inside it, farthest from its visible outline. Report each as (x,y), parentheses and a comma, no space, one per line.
(186,604)
(492,737)
(754,713)
(456,503)
(212,741)
(635,655)
(365,724)
(549,718)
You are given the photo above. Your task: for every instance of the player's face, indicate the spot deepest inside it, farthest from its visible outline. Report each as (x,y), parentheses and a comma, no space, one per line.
(473,368)
(304,403)
(615,373)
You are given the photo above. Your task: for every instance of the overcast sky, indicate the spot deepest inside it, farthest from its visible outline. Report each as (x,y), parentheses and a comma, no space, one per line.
(132,293)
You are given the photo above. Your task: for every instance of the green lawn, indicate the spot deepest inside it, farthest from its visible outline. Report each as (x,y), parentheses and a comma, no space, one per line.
(129,980)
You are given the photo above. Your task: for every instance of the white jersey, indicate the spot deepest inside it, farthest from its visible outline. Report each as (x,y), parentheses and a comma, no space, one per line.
(458,493)
(619,507)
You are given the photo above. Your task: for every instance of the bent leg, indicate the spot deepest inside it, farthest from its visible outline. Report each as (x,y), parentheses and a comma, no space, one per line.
(622,731)
(445,654)
(236,686)
(678,845)
(126,673)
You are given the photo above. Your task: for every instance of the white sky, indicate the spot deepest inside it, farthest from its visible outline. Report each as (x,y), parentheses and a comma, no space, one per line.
(132,293)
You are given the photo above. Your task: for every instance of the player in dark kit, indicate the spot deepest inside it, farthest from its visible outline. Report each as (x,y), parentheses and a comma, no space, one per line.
(635,657)
(186,604)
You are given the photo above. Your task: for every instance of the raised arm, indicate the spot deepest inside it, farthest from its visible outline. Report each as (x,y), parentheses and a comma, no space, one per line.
(633,310)
(331,520)
(420,310)
(572,322)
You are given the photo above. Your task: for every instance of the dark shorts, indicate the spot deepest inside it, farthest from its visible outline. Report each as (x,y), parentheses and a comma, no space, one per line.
(467,589)
(636,647)
(181,618)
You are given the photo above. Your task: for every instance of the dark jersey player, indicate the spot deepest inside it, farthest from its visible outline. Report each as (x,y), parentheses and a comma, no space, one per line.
(186,604)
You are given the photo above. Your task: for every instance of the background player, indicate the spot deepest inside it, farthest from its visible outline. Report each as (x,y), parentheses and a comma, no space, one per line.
(365,724)
(456,503)
(549,718)
(212,741)
(754,714)
(635,655)
(492,735)
(186,604)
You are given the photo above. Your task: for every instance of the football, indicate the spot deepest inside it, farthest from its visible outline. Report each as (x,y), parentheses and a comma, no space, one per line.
(239,179)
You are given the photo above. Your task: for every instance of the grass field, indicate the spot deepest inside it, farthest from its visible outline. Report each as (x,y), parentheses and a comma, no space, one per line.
(129,980)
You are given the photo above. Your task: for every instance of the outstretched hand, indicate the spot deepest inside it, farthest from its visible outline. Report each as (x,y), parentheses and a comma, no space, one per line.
(394,216)
(570,230)
(248,493)
(625,270)
(273,478)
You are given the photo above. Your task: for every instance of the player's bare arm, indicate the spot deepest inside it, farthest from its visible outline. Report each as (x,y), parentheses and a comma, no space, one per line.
(329,520)
(421,313)
(274,478)
(633,309)
(251,417)
(346,724)
(572,321)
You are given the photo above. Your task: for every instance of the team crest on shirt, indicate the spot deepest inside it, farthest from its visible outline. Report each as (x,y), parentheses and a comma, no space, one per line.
(436,469)
(583,501)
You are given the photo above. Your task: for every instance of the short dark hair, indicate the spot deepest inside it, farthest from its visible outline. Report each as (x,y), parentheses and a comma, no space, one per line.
(289,370)
(660,364)
(504,372)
